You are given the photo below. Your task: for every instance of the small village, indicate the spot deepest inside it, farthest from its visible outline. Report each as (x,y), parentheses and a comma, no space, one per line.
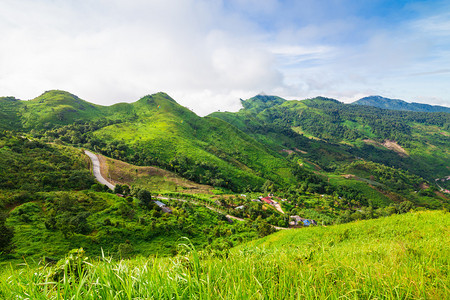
(295,221)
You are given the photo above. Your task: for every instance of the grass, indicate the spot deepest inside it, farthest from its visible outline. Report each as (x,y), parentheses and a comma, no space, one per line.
(400,257)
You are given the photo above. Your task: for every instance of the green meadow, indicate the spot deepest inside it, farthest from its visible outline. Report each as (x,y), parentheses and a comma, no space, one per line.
(398,257)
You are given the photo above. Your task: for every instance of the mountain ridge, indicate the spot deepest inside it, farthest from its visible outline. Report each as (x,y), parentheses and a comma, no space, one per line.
(397,104)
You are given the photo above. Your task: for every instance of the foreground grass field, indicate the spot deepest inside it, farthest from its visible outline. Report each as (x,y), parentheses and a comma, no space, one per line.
(398,257)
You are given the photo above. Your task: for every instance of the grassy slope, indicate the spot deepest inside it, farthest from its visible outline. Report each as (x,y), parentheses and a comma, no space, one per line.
(167,130)
(151,178)
(399,257)
(57,108)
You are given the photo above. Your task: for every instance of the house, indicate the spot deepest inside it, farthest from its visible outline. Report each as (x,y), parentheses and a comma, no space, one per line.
(163,207)
(159,203)
(267,200)
(240,207)
(297,221)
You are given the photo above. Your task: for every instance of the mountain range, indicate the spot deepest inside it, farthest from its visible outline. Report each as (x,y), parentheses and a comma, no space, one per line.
(397,104)
(241,150)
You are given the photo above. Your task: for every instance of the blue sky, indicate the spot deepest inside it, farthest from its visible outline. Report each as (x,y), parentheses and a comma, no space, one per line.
(208,54)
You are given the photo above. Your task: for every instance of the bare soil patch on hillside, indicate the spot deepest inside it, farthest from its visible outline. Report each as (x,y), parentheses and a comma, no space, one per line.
(119,172)
(391,145)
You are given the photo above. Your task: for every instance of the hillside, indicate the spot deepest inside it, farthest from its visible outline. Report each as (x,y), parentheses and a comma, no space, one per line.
(400,257)
(150,178)
(157,131)
(396,104)
(52,108)
(333,134)
(50,203)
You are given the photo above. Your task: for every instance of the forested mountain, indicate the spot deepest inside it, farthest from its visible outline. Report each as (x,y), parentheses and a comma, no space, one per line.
(396,104)
(332,133)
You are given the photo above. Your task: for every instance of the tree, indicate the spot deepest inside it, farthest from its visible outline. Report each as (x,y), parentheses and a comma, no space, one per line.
(144,198)
(268,186)
(264,228)
(118,189)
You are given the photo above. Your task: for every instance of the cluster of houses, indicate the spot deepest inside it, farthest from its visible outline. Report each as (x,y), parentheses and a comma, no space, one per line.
(296,221)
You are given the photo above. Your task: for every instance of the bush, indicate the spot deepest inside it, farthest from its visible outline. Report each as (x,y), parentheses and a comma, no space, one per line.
(144,198)
(74,264)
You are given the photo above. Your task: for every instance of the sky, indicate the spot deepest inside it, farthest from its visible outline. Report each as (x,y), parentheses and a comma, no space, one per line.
(207,54)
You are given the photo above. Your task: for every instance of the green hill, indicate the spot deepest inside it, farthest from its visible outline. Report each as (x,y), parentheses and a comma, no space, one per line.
(57,108)
(332,134)
(396,104)
(295,148)
(400,257)
(157,131)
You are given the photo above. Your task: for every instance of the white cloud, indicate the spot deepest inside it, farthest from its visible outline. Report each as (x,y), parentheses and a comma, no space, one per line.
(120,50)
(208,54)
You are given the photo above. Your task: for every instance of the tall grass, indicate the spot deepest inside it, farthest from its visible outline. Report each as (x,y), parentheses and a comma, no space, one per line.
(400,257)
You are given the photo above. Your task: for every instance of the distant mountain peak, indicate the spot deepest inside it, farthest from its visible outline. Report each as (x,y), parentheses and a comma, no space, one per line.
(397,104)
(261,102)
(52,93)
(322,98)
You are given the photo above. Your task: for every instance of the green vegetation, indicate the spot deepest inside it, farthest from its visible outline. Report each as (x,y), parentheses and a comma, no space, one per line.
(50,203)
(30,165)
(330,162)
(53,223)
(400,257)
(396,104)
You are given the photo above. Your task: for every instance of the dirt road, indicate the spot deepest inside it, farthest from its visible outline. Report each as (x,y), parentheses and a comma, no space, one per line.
(96,169)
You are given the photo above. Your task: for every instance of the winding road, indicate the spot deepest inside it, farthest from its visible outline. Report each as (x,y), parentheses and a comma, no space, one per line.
(102,180)
(96,169)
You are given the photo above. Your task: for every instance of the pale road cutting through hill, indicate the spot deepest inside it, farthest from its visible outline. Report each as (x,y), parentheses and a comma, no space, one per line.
(102,180)
(96,169)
